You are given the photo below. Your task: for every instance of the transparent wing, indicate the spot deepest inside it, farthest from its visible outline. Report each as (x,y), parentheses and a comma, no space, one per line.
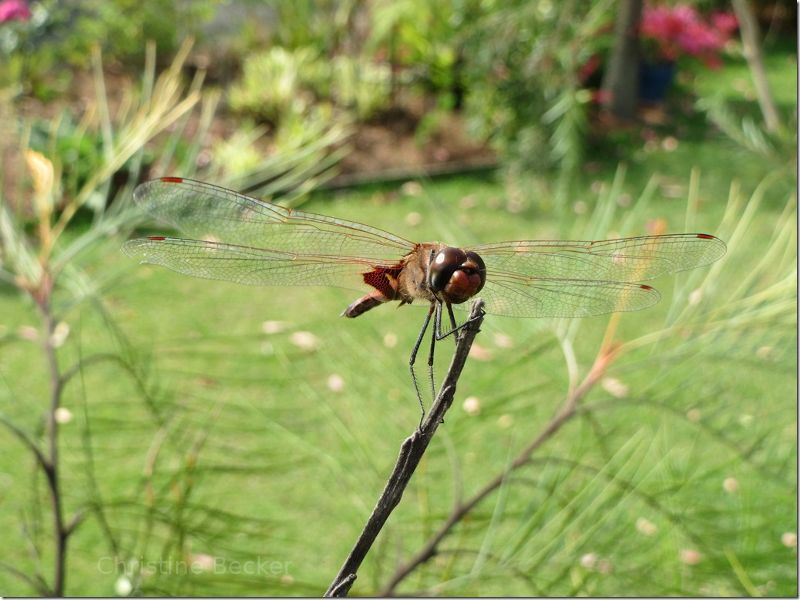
(531,297)
(247,265)
(241,239)
(207,212)
(628,260)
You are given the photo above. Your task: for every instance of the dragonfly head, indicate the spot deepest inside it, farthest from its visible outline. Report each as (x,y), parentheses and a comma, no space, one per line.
(456,276)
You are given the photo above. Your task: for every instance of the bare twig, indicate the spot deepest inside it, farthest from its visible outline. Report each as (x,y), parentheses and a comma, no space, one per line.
(25,439)
(35,581)
(50,465)
(568,409)
(411,452)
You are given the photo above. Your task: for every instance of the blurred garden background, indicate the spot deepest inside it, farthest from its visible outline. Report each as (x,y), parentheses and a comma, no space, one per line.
(163,435)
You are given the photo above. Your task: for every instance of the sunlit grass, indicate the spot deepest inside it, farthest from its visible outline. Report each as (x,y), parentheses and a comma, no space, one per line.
(295,465)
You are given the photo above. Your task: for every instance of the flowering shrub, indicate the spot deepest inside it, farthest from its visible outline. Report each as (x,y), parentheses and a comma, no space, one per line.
(669,32)
(14,10)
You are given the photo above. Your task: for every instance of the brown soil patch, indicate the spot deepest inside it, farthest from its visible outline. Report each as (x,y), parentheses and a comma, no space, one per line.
(393,144)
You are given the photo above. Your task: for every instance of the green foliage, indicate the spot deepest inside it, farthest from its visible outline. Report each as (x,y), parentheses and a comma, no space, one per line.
(70,144)
(750,135)
(523,90)
(320,24)
(360,86)
(279,85)
(63,34)
(422,37)
(276,83)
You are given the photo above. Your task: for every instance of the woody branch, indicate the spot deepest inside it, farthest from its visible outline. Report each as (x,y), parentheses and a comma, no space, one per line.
(411,452)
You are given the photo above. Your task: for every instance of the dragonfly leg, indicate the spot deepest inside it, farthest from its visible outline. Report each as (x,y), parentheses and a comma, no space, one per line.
(436,335)
(413,358)
(453,325)
(455,328)
(437,321)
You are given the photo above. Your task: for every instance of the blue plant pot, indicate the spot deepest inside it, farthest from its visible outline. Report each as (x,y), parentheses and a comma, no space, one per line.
(655,80)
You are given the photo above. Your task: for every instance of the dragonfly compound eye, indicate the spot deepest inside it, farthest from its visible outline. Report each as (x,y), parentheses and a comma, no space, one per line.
(456,275)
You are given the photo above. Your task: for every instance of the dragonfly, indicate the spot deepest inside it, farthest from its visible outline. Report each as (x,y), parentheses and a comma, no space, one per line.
(237,238)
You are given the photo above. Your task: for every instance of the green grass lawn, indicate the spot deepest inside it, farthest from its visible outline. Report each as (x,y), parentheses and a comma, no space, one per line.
(251,453)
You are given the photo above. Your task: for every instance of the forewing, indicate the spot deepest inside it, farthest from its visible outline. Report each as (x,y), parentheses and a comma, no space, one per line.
(532,297)
(247,265)
(627,260)
(207,212)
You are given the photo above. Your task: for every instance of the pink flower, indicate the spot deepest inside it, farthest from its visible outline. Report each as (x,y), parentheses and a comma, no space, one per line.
(678,30)
(14,10)
(725,22)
